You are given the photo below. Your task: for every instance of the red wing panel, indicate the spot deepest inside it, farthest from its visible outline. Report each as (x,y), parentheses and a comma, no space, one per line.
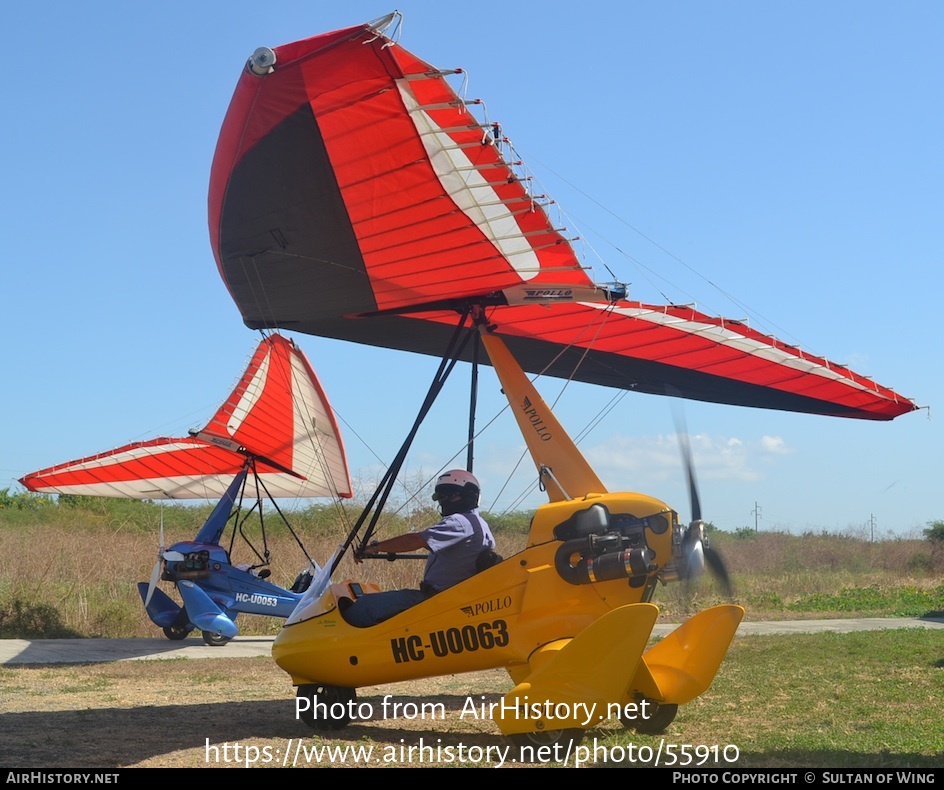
(675,350)
(422,205)
(158,469)
(352,181)
(277,414)
(278,411)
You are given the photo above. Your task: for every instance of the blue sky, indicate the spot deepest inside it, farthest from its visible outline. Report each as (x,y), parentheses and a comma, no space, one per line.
(780,160)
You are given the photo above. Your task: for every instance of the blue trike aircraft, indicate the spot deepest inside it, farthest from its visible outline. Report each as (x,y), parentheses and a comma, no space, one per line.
(275,436)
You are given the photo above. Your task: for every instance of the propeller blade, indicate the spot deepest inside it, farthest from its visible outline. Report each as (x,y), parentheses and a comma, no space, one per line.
(155,577)
(698,553)
(156,572)
(720,572)
(688,462)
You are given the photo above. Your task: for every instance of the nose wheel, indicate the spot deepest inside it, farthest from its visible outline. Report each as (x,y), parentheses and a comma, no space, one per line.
(176,632)
(658,720)
(528,743)
(328,708)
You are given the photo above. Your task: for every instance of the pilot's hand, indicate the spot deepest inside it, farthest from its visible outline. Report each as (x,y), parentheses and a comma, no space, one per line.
(371,549)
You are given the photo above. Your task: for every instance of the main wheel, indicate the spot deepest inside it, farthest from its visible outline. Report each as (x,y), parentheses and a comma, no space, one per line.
(660,717)
(562,743)
(214,640)
(176,632)
(328,708)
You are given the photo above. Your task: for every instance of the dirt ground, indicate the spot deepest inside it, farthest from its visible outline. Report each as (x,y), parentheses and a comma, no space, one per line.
(237,712)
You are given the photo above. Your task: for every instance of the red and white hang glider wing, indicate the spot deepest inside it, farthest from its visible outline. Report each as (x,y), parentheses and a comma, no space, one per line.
(278,415)
(354,195)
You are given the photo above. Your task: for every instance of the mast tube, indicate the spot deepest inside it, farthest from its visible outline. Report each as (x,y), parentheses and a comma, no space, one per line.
(563,469)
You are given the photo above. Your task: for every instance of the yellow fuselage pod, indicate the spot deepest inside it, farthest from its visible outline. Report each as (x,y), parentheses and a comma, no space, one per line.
(498,618)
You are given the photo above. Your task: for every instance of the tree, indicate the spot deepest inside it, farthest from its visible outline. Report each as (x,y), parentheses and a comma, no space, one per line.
(935,533)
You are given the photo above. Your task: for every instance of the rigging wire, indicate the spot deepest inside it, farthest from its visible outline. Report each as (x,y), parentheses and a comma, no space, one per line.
(375,505)
(762,319)
(316,440)
(604,315)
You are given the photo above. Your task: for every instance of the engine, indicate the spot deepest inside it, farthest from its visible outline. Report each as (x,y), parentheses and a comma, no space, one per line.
(598,545)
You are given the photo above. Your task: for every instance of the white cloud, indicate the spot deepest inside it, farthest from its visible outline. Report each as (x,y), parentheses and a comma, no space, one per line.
(647,460)
(775,445)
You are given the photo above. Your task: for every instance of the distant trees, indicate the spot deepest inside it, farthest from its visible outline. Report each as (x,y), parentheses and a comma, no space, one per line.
(935,535)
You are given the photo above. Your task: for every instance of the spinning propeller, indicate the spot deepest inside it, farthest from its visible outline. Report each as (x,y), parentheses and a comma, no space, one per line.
(172,556)
(696,549)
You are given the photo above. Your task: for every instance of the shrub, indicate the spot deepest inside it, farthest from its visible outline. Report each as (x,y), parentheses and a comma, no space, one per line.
(518,522)
(23,500)
(19,620)
(921,562)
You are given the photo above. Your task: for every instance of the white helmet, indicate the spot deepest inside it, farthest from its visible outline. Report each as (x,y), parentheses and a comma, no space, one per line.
(458,477)
(457,482)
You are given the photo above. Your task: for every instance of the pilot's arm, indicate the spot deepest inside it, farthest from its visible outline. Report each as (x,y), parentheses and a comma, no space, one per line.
(410,541)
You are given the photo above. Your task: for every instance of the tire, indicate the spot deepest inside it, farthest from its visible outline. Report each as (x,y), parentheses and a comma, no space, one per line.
(329,696)
(660,717)
(176,632)
(561,743)
(214,640)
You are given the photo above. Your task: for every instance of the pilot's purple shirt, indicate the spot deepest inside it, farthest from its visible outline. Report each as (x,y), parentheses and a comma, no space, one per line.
(454,544)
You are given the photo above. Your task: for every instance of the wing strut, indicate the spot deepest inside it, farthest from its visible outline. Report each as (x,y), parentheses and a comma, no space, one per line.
(375,505)
(473,399)
(230,507)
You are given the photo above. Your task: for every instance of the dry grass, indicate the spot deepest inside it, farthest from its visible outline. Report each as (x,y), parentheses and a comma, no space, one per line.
(86,576)
(165,713)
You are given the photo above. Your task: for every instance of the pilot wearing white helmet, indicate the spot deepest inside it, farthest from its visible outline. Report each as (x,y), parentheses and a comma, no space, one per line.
(456,545)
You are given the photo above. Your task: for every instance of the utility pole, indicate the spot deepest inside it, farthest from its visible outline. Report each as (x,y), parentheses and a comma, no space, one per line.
(757,514)
(872,526)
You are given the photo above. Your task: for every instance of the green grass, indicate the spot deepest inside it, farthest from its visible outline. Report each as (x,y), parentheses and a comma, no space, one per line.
(866,700)
(873,699)
(904,601)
